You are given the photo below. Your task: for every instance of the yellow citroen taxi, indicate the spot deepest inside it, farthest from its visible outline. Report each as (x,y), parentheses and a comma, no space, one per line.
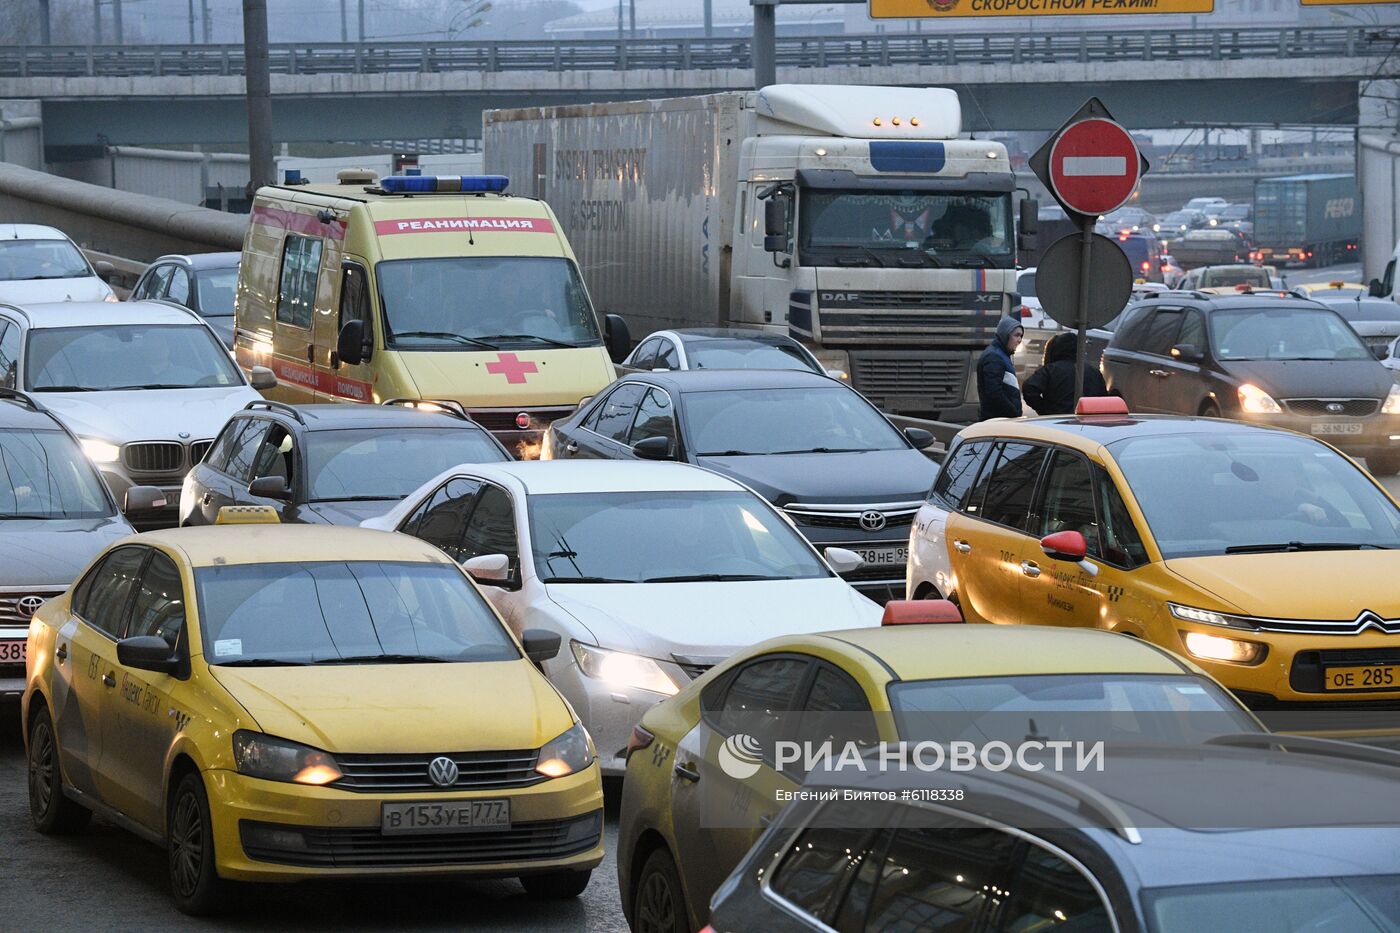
(1267,556)
(283,702)
(708,768)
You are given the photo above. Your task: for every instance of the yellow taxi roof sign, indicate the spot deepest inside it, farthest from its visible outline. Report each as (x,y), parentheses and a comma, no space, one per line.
(247,515)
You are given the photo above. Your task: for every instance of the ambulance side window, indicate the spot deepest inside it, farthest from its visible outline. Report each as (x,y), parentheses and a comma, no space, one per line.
(354,298)
(296,289)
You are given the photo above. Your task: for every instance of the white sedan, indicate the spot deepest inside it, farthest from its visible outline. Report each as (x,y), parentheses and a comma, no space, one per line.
(650,573)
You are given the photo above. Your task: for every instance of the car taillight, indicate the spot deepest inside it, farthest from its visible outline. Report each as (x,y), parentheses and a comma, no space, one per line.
(638,740)
(1146,265)
(1025,311)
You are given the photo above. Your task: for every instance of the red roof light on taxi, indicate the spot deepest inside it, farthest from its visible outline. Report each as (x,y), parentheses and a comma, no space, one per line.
(1101,405)
(920,612)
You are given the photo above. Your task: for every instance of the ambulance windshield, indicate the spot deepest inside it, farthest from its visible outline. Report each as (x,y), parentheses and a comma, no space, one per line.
(487,302)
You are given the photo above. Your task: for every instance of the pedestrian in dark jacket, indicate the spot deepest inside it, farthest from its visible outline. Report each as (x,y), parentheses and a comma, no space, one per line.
(998,390)
(1050,389)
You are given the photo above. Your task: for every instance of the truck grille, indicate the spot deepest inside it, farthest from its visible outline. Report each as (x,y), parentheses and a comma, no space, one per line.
(11,613)
(937,378)
(1351,407)
(925,301)
(475,771)
(153,456)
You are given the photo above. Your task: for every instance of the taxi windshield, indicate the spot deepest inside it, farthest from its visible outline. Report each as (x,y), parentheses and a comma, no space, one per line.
(43,474)
(1279,333)
(665,537)
(1216,493)
(372,463)
(127,356)
(816,419)
(486,302)
(27,260)
(345,612)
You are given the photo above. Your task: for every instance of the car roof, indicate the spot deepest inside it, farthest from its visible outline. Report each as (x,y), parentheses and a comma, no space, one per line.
(549,477)
(715,380)
(274,543)
(1232,300)
(941,652)
(333,416)
(226,260)
(1093,430)
(701,334)
(14,413)
(104,313)
(31,232)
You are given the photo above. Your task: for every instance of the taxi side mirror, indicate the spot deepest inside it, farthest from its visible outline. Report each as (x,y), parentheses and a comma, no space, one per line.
(350,344)
(540,645)
(147,653)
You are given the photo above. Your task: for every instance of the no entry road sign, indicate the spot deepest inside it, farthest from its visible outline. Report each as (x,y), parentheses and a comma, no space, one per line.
(1094,166)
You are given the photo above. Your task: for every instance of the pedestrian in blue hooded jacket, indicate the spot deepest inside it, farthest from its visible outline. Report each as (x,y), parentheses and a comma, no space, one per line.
(998,390)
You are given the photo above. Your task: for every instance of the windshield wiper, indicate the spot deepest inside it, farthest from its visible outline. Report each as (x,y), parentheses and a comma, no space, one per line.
(153,385)
(710,578)
(973,262)
(63,389)
(260,662)
(584,580)
(384,659)
(549,340)
(1303,546)
(21,516)
(45,278)
(870,253)
(447,335)
(727,453)
(826,450)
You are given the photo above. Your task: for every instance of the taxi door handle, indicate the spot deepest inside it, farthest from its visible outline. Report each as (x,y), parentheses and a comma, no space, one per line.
(962,547)
(110,678)
(1030,568)
(61,653)
(687,771)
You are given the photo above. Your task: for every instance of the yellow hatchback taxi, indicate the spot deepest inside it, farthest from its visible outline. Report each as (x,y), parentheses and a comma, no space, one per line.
(426,287)
(694,801)
(1266,556)
(283,702)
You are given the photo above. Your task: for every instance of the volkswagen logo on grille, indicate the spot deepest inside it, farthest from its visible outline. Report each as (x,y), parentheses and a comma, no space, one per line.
(871,520)
(1335,408)
(28,605)
(442,771)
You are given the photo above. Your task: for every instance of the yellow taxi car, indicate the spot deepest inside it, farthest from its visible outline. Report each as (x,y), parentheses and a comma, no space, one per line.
(705,774)
(276,703)
(1267,556)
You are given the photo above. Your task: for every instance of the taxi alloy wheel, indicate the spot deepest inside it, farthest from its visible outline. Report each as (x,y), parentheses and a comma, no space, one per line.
(660,906)
(52,812)
(194,882)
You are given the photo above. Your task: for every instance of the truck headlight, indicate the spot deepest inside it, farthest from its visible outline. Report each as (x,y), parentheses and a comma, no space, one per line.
(566,754)
(265,756)
(623,669)
(1215,648)
(100,451)
(1256,401)
(1392,402)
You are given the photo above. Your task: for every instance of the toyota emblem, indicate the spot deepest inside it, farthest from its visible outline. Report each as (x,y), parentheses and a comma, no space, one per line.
(28,605)
(1335,407)
(442,771)
(871,520)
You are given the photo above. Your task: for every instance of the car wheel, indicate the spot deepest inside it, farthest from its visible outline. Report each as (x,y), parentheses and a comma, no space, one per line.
(1210,410)
(194,882)
(556,885)
(52,812)
(1383,464)
(660,904)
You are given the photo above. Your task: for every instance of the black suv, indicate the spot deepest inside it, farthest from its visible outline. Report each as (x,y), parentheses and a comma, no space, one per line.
(330,464)
(1267,358)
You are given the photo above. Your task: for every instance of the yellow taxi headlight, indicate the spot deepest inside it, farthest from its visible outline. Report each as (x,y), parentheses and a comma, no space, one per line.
(1210,617)
(1216,648)
(570,752)
(274,759)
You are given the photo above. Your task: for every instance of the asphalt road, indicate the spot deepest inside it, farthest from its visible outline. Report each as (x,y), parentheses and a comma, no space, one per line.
(107,879)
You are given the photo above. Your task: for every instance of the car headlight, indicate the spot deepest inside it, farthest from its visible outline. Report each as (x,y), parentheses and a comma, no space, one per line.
(100,451)
(1210,617)
(265,756)
(623,669)
(570,752)
(1392,402)
(1256,401)
(1215,648)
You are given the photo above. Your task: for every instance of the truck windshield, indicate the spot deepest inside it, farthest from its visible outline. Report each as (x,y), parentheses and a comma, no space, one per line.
(485,302)
(900,228)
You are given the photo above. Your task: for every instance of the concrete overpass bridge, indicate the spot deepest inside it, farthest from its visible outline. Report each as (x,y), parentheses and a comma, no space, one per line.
(339,91)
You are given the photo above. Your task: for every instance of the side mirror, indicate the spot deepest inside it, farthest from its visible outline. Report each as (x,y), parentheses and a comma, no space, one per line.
(653,448)
(143,499)
(350,345)
(489,569)
(775,215)
(147,653)
(540,645)
(921,439)
(104,269)
(841,560)
(1030,216)
(1065,545)
(262,378)
(616,337)
(1374,290)
(1187,353)
(270,487)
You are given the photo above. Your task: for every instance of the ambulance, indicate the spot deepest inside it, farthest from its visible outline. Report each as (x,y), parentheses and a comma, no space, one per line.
(441,288)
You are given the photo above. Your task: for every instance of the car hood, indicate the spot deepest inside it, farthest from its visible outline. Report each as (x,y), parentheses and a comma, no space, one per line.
(408,708)
(38,291)
(1294,584)
(548,377)
(345,513)
(52,552)
(148,414)
(865,478)
(710,620)
(1314,378)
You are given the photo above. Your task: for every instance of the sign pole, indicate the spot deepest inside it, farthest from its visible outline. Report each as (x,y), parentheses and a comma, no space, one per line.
(1081,350)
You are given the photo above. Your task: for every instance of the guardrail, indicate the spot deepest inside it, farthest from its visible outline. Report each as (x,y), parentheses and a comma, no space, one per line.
(1104,45)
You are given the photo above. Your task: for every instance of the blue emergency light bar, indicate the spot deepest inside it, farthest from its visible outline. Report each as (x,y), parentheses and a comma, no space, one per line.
(443,184)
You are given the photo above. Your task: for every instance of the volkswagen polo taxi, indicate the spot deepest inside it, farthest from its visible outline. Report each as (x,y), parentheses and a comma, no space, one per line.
(1266,556)
(275,703)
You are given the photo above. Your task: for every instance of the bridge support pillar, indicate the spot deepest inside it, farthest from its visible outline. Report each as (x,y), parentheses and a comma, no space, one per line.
(765,33)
